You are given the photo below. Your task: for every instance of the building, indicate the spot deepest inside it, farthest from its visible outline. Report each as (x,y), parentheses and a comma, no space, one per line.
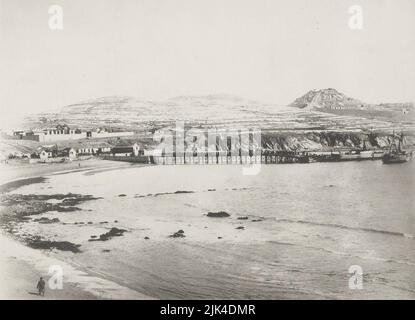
(59,133)
(153,152)
(104,133)
(122,151)
(104,150)
(87,151)
(126,151)
(72,154)
(64,132)
(45,154)
(136,149)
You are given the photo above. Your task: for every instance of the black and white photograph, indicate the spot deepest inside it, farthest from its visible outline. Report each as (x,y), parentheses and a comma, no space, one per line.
(207,150)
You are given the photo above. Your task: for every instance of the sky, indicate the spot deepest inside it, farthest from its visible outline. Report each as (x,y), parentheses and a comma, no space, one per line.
(268,50)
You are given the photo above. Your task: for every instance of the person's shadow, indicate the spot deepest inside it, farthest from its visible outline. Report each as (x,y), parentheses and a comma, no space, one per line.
(34,293)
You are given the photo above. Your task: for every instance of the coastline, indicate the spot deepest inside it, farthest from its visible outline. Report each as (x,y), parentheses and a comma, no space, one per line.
(21,266)
(158,237)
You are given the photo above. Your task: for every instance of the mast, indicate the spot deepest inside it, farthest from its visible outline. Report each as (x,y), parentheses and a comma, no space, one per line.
(400,142)
(393,142)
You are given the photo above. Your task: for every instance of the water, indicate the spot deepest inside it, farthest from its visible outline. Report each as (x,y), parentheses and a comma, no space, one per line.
(316,220)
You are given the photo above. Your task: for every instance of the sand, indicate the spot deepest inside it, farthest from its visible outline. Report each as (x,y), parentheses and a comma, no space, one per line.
(15,170)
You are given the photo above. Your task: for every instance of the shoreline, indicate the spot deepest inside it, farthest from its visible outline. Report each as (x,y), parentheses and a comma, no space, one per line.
(201,235)
(17,170)
(21,266)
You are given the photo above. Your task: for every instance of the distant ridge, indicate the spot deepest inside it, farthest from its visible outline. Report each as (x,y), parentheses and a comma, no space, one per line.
(316,110)
(125,112)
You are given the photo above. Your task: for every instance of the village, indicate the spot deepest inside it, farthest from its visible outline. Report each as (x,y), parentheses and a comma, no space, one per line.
(63,143)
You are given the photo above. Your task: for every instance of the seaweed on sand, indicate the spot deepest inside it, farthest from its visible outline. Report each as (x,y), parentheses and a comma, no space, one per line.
(178,234)
(16,206)
(45,220)
(219,214)
(163,194)
(38,243)
(114,232)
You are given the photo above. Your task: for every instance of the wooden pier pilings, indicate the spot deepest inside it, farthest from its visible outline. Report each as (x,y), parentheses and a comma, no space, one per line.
(266,157)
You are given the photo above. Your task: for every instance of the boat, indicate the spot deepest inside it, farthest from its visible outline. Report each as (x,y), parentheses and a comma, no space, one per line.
(366,153)
(390,158)
(326,156)
(378,154)
(396,154)
(305,159)
(350,155)
(311,159)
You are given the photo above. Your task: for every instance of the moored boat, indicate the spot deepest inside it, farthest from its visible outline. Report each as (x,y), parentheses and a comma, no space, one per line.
(396,154)
(360,155)
(350,155)
(390,158)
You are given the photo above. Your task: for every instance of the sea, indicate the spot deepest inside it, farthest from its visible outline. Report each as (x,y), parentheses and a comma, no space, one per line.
(342,230)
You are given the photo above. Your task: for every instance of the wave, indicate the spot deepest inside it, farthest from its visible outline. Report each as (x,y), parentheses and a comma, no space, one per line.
(345,254)
(340,226)
(184,191)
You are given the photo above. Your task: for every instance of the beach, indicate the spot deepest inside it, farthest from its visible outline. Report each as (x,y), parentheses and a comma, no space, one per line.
(21,266)
(192,231)
(19,169)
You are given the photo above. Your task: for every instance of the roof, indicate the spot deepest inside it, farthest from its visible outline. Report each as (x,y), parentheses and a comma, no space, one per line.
(121,149)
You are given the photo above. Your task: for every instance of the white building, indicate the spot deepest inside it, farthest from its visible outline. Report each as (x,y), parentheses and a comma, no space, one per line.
(105,134)
(44,155)
(63,132)
(87,151)
(52,135)
(72,154)
(136,149)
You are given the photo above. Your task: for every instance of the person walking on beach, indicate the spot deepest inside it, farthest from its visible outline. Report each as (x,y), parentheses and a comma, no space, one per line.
(41,286)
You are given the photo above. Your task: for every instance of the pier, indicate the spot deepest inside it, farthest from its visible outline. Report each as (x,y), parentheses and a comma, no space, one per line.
(265,157)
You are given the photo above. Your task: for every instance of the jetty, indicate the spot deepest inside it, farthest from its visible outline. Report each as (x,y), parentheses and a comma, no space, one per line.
(262,157)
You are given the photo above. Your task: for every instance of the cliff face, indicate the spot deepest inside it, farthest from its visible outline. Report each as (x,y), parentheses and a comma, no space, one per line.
(313,141)
(328,140)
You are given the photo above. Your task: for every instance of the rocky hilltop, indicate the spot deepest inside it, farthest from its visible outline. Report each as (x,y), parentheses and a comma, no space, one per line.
(334,102)
(327,99)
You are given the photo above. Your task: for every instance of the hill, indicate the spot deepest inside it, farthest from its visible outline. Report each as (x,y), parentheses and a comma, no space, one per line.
(325,109)
(318,120)
(332,101)
(327,99)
